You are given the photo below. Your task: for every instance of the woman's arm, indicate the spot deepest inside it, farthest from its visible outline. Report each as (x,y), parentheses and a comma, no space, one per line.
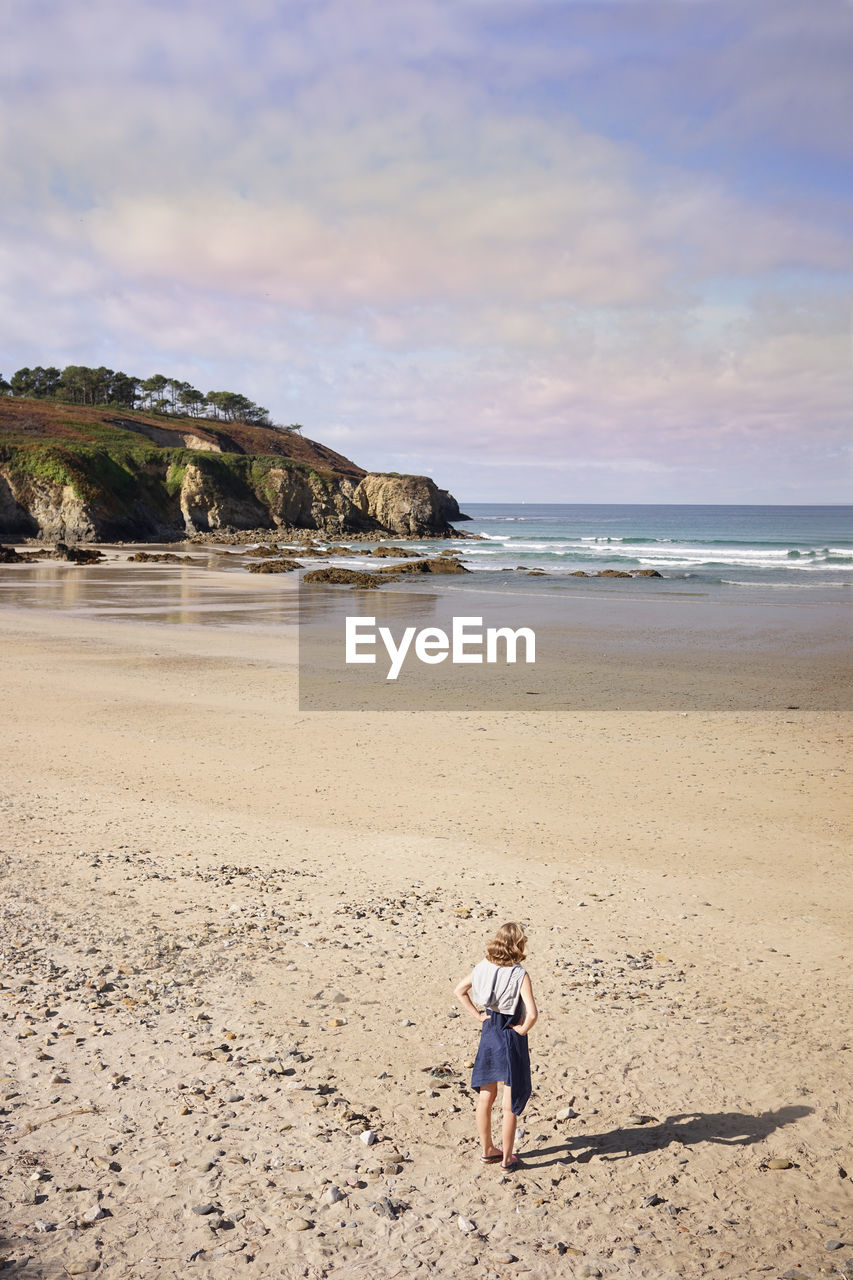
(465,1000)
(531,1013)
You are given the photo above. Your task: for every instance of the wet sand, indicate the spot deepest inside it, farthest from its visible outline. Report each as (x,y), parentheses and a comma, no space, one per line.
(232,929)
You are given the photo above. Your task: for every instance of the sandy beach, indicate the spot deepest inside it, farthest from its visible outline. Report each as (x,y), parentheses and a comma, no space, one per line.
(231,932)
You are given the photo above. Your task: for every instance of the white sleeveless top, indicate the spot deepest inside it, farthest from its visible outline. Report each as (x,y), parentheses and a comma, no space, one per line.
(497,986)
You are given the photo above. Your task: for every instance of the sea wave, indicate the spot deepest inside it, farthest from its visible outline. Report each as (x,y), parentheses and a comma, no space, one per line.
(661,555)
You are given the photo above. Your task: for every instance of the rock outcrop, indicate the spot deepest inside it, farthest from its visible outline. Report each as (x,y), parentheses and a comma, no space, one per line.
(61,491)
(407,505)
(32,506)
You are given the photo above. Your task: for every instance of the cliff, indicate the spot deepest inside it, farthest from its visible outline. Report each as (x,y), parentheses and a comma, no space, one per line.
(90,474)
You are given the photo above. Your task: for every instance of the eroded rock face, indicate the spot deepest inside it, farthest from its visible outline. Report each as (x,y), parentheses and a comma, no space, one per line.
(290,498)
(204,505)
(32,505)
(407,505)
(169,499)
(14,516)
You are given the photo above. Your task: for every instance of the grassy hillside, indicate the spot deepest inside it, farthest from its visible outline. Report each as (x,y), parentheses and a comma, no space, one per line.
(64,440)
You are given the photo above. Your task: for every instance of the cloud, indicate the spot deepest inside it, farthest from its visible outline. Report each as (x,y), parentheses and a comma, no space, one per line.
(593,231)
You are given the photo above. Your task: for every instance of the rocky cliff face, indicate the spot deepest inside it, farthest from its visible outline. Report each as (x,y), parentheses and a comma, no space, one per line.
(85,474)
(43,508)
(211,492)
(406,505)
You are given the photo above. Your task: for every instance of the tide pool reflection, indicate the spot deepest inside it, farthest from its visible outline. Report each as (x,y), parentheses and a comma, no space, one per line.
(179,595)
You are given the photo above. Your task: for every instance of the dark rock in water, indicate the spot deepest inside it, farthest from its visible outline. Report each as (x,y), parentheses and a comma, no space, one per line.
(159,557)
(8,555)
(343,577)
(446,564)
(384,551)
(261,551)
(77,555)
(612,573)
(449,507)
(536,573)
(646,573)
(579,573)
(278,566)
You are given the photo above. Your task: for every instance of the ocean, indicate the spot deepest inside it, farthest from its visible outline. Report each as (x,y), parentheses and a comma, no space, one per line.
(720,548)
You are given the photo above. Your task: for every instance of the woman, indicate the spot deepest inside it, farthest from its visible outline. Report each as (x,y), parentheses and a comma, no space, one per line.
(502,985)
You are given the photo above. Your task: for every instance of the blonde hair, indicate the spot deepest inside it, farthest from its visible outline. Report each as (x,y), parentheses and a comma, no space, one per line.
(508,945)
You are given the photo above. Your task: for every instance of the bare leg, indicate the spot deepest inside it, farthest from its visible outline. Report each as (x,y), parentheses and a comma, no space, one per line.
(510,1122)
(484,1118)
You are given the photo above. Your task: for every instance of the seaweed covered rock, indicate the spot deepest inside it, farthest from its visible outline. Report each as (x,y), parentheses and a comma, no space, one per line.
(77,555)
(159,557)
(343,577)
(384,551)
(440,565)
(276,566)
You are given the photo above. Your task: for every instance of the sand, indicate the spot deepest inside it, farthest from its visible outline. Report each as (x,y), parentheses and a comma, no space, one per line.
(231,931)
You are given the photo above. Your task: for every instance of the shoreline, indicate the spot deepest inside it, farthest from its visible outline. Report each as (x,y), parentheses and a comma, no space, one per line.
(652,644)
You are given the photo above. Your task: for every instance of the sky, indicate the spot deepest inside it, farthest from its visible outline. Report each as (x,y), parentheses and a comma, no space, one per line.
(542,250)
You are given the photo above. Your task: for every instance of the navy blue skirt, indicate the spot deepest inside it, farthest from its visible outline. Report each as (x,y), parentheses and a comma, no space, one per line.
(504,1055)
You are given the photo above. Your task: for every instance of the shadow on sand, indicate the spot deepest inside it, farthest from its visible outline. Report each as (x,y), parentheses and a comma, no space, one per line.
(729,1128)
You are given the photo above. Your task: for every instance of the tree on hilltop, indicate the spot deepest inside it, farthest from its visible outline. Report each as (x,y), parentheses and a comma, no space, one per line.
(39,382)
(236,408)
(124,390)
(154,387)
(191,400)
(79,384)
